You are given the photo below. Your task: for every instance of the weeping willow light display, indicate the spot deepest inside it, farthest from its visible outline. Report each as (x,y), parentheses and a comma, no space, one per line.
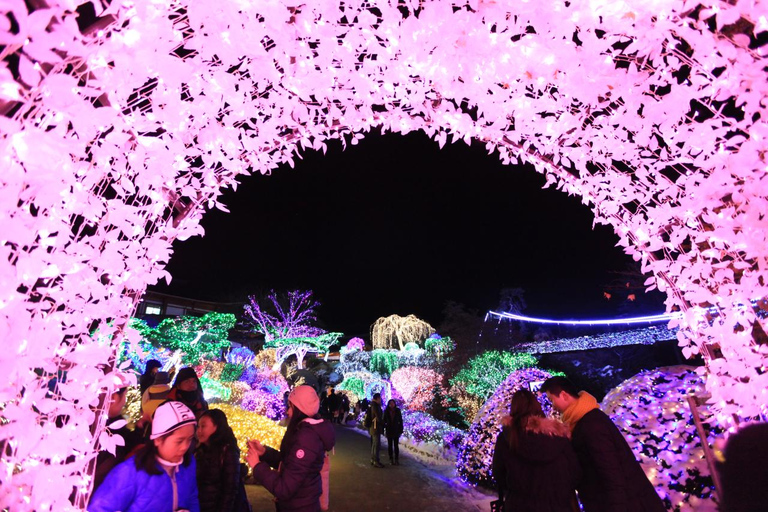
(117,135)
(395,331)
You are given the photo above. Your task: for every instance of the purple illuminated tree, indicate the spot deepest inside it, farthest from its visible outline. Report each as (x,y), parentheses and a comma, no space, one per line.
(288,315)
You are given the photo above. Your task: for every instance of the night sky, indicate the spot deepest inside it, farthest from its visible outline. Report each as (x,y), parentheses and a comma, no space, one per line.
(397,225)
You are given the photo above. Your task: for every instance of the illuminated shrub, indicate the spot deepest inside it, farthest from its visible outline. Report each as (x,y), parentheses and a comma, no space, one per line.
(419,387)
(250,425)
(423,428)
(355,344)
(240,355)
(651,411)
(383,362)
(439,346)
(473,463)
(265,403)
(483,374)
(231,372)
(265,359)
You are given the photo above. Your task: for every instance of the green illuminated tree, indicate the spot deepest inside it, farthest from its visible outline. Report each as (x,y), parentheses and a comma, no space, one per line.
(484,373)
(195,337)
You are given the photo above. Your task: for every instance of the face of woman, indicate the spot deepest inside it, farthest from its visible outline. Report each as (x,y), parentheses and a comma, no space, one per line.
(205,429)
(188,385)
(289,412)
(391,404)
(173,447)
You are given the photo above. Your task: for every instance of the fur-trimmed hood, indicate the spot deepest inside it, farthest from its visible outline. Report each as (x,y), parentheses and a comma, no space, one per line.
(544,438)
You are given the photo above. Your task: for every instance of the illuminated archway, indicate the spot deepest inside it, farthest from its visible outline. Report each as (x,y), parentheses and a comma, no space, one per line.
(115,142)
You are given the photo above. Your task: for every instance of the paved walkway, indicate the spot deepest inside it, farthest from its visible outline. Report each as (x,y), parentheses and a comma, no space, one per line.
(412,486)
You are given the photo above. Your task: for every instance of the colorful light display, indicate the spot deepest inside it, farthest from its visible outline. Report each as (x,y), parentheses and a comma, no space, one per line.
(194,337)
(439,346)
(114,144)
(240,355)
(394,331)
(301,346)
(365,384)
(264,403)
(383,362)
(250,425)
(483,374)
(284,317)
(231,372)
(355,344)
(473,462)
(651,411)
(418,387)
(423,428)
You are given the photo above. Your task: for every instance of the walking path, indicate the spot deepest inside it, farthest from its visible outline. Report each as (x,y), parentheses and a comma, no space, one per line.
(412,486)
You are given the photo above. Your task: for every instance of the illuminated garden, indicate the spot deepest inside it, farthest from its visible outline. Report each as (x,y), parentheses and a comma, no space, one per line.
(118,134)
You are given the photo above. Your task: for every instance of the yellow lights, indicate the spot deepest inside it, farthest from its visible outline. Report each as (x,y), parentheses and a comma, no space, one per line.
(249,425)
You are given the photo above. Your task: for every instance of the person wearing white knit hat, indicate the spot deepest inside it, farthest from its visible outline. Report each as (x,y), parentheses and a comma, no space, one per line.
(296,485)
(162,475)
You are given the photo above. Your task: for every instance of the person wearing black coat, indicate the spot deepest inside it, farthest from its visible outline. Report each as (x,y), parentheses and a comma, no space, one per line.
(296,484)
(534,465)
(393,429)
(218,464)
(148,377)
(105,460)
(612,478)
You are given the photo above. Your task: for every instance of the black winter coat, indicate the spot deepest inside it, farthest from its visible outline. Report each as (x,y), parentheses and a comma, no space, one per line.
(105,461)
(375,420)
(613,480)
(297,485)
(218,477)
(541,476)
(393,423)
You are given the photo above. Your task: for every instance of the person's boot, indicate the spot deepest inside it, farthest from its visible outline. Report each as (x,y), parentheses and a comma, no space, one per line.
(397,462)
(391,462)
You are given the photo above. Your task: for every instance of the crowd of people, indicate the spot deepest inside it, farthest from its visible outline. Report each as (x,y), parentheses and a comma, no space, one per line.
(183,456)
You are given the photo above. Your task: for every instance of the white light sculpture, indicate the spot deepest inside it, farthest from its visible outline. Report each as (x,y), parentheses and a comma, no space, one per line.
(395,331)
(114,141)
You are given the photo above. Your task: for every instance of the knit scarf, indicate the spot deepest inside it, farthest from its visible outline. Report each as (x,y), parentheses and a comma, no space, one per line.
(579,408)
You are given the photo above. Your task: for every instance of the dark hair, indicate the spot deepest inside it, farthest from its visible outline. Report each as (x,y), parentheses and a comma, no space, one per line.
(151,364)
(293,426)
(391,401)
(524,406)
(556,385)
(146,456)
(187,373)
(223,435)
(375,396)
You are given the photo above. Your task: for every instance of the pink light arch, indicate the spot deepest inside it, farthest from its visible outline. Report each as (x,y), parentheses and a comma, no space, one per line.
(116,138)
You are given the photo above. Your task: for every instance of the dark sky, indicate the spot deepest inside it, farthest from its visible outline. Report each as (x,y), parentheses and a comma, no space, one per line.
(396,225)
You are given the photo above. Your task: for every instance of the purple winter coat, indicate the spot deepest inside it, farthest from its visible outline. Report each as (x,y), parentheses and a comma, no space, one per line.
(297,484)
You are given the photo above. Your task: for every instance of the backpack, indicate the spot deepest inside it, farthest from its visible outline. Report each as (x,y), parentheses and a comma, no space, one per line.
(368,420)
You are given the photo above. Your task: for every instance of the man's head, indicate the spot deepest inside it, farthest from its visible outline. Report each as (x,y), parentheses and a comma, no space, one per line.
(561,392)
(377,398)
